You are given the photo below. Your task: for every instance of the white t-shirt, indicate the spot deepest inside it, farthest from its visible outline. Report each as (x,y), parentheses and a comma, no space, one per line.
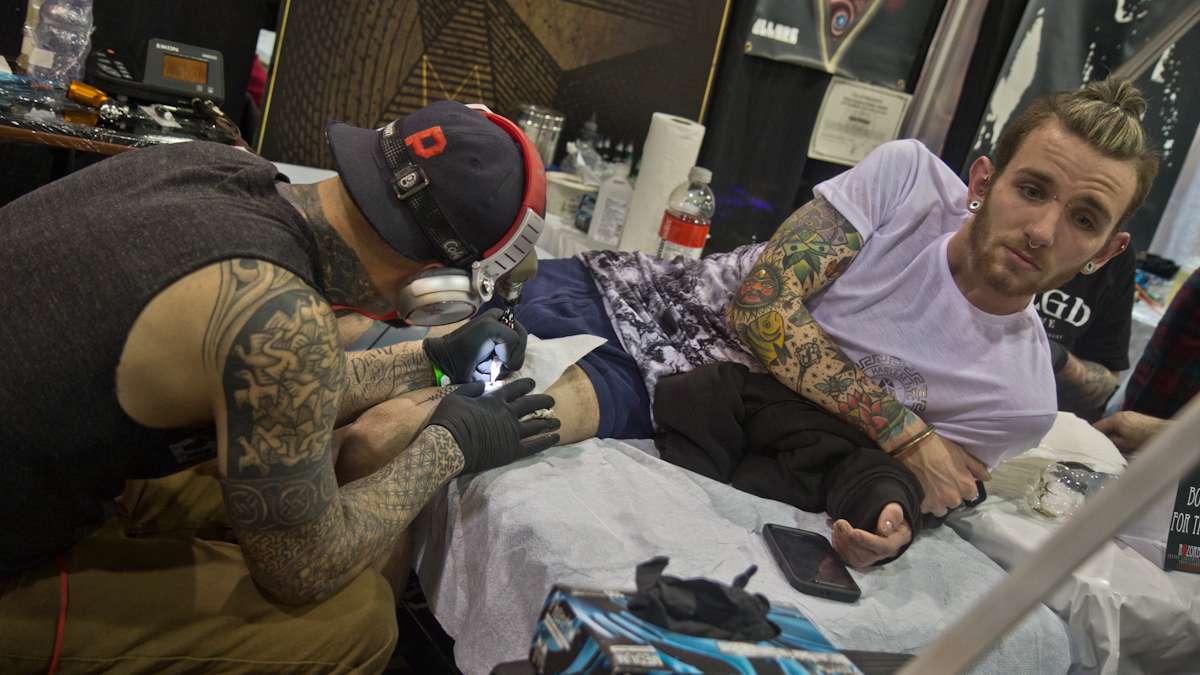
(984,380)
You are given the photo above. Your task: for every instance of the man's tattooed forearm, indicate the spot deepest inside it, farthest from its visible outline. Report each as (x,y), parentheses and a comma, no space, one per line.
(812,248)
(374,511)
(1085,386)
(344,280)
(441,393)
(377,375)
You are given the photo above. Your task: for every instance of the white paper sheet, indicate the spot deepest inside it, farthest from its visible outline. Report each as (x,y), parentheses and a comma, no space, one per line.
(490,547)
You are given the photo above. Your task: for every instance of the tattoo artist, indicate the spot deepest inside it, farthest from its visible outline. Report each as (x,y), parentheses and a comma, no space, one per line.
(185,310)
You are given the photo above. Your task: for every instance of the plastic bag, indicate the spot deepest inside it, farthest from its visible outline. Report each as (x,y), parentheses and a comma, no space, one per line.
(60,40)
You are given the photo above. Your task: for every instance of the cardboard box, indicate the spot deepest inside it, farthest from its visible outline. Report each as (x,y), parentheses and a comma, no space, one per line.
(1183,535)
(588,631)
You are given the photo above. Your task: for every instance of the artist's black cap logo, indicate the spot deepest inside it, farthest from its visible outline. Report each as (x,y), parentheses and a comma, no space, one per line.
(454,249)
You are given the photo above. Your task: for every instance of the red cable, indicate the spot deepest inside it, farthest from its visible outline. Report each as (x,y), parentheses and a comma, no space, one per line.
(62,614)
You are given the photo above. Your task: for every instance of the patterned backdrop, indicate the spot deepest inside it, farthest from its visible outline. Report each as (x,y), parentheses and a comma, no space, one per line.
(368,61)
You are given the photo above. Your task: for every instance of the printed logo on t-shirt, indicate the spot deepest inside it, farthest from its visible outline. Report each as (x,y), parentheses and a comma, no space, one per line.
(1055,305)
(904,383)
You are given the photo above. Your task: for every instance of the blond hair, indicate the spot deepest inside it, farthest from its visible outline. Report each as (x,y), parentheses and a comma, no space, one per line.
(1106,115)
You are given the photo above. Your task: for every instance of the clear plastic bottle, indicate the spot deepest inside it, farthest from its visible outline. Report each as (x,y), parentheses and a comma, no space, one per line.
(587,162)
(685,224)
(612,208)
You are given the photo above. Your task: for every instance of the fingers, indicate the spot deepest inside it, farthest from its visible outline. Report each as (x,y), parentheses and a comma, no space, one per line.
(890,519)
(939,503)
(860,548)
(536,427)
(538,444)
(968,489)
(529,404)
(472,390)
(515,390)
(977,468)
(1108,425)
(840,539)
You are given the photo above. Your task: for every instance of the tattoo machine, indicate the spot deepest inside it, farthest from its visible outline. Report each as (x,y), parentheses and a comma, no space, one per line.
(510,285)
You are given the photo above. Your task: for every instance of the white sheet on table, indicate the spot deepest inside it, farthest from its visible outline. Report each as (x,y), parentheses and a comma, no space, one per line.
(490,547)
(1125,613)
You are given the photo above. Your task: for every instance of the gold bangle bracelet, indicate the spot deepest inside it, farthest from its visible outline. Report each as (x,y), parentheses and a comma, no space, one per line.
(911,443)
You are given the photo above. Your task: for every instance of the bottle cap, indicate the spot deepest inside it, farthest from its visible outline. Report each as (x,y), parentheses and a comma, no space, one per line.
(699,174)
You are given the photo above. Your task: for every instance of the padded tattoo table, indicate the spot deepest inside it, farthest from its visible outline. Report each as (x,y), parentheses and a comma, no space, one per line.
(490,546)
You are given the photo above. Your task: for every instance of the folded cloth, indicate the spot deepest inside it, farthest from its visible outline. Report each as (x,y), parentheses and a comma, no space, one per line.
(749,430)
(701,607)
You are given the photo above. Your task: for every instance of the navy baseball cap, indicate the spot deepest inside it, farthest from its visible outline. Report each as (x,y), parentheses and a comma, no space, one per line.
(474,170)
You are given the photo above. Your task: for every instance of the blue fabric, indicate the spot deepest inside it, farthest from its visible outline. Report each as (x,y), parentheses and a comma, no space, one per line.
(563,300)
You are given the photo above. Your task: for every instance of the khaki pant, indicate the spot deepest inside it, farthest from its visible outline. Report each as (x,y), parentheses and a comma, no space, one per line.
(157,590)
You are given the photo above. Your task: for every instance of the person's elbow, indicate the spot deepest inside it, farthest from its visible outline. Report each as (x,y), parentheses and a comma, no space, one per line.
(292,590)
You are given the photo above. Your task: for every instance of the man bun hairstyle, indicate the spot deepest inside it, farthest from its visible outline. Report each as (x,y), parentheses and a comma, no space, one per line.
(1106,115)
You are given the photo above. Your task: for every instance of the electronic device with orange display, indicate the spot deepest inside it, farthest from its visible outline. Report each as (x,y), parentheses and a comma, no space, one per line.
(170,72)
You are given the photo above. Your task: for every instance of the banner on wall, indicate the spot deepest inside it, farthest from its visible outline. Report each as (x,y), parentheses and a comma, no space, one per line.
(875,41)
(1062,45)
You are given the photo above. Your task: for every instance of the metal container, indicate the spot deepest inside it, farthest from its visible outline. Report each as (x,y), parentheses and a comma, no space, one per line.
(543,126)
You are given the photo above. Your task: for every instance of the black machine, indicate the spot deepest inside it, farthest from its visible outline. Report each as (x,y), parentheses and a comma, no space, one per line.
(810,563)
(168,72)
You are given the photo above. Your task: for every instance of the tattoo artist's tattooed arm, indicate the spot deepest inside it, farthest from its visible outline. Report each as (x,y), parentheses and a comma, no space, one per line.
(372,376)
(811,249)
(272,349)
(1084,387)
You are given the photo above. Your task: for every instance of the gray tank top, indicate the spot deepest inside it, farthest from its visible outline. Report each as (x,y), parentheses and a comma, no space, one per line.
(79,259)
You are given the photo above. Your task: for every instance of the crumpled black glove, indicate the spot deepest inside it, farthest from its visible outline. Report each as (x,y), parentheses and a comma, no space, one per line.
(487,427)
(701,607)
(465,355)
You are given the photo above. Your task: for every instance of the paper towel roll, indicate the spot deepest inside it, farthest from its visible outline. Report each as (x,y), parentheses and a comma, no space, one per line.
(671,149)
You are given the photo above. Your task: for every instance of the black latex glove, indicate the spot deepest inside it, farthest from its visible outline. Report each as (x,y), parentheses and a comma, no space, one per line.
(487,427)
(465,355)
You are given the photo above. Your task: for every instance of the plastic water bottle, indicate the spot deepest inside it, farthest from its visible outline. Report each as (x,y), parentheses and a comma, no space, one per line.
(612,207)
(685,224)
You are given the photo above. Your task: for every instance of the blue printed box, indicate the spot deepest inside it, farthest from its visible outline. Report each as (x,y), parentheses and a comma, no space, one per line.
(588,631)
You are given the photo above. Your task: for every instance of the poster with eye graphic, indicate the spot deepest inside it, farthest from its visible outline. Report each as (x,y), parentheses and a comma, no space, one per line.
(876,41)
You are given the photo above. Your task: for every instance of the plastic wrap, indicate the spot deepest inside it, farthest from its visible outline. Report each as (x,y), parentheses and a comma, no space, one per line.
(60,40)
(1125,613)
(38,112)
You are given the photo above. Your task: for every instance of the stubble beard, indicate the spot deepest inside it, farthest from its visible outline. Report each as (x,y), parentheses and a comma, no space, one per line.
(988,257)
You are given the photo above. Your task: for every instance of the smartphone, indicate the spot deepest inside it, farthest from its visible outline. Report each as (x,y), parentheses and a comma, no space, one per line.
(810,563)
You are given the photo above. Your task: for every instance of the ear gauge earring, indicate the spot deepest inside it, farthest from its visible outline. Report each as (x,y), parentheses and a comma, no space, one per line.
(974,205)
(1089,267)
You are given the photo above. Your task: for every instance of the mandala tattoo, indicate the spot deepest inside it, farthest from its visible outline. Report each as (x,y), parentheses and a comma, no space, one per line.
(811,249)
